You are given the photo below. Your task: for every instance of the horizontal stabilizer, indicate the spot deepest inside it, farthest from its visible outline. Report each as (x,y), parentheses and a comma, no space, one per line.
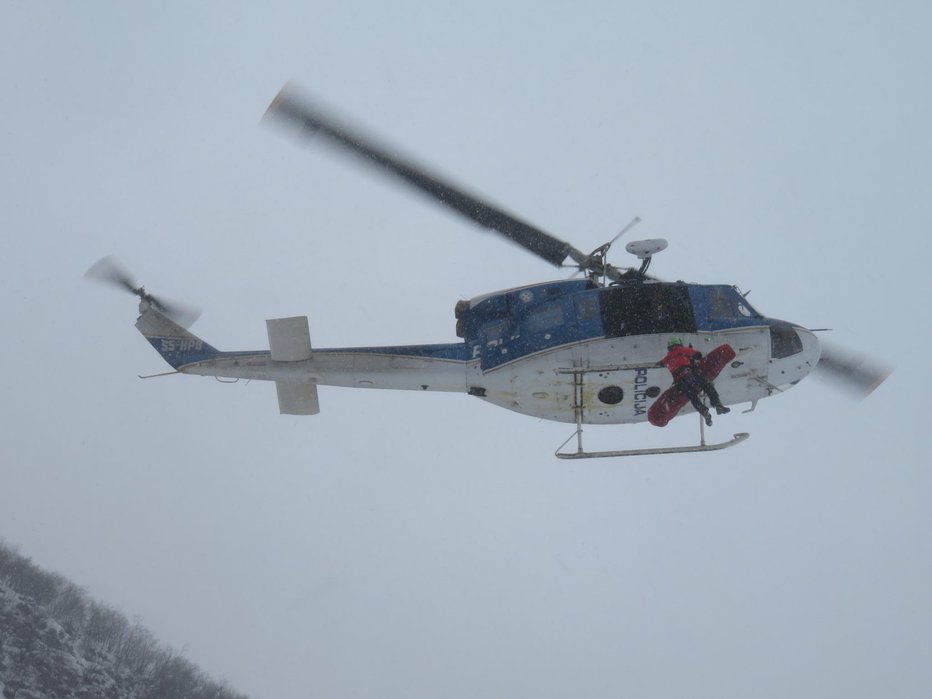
(289,339)
(297,398)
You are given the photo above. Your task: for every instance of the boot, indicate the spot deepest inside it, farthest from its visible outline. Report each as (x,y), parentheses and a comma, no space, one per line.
(721,409)
(708,418)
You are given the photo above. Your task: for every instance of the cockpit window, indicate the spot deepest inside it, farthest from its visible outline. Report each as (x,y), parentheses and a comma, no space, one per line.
(720,303)
(726,302)
(784,341)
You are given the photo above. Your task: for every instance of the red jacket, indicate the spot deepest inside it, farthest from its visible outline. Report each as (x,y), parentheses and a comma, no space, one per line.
(679,357)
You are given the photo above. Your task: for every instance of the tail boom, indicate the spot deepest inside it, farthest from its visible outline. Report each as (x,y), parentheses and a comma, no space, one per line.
(292,361)
(356,368)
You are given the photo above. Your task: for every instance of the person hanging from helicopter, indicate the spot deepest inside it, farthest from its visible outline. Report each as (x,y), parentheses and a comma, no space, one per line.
(681,361)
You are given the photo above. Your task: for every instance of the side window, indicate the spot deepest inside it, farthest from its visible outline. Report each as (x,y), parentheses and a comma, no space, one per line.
(545,318)
(494,333)
(647,309)
(588,309)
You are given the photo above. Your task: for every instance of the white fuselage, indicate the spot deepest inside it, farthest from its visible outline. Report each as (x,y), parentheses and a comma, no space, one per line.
(553,384)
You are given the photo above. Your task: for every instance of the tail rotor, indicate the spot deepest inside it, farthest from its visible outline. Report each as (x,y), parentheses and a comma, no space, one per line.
(108,270)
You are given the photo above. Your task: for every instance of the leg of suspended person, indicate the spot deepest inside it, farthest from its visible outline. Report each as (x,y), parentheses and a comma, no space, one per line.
(710,391)
(688,385)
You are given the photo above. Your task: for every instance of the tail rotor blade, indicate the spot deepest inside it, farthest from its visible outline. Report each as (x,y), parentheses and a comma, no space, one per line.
(107,270)
(182,314)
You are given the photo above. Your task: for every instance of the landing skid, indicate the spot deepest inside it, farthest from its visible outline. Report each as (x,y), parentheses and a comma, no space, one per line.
(581,453)
(579,373)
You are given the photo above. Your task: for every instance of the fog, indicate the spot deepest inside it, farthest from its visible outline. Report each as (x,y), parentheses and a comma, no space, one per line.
(424,545)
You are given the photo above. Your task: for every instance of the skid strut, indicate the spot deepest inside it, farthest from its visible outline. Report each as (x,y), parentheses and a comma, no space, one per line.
(578,371)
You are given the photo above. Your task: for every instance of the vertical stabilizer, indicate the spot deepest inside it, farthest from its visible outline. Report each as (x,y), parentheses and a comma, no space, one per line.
(177,346)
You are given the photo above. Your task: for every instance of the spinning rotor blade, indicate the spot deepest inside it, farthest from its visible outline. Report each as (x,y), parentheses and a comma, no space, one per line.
(180,313)
(289,107)
(108,271)
(856,373)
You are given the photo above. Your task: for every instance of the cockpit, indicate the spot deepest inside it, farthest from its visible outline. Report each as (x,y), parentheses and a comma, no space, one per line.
(679,308)
(649,308)
(515,322)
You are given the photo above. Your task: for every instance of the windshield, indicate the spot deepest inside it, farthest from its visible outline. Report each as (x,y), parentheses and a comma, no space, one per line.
(727,302)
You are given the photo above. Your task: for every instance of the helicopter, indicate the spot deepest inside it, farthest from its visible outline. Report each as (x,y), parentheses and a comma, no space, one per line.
(581,350)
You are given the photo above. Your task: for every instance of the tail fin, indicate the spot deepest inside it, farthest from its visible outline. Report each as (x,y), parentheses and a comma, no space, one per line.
(177,346)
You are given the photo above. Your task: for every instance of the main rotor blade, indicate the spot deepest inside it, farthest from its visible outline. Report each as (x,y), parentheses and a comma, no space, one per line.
(294,109)
(857,373)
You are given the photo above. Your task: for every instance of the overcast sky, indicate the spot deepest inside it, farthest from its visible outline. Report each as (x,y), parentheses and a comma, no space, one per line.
(429,545)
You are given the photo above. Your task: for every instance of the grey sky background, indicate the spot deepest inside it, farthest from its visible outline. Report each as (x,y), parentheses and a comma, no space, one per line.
(426,545)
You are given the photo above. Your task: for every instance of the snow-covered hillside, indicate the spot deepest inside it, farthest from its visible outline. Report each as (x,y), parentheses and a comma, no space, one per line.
(57,643)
